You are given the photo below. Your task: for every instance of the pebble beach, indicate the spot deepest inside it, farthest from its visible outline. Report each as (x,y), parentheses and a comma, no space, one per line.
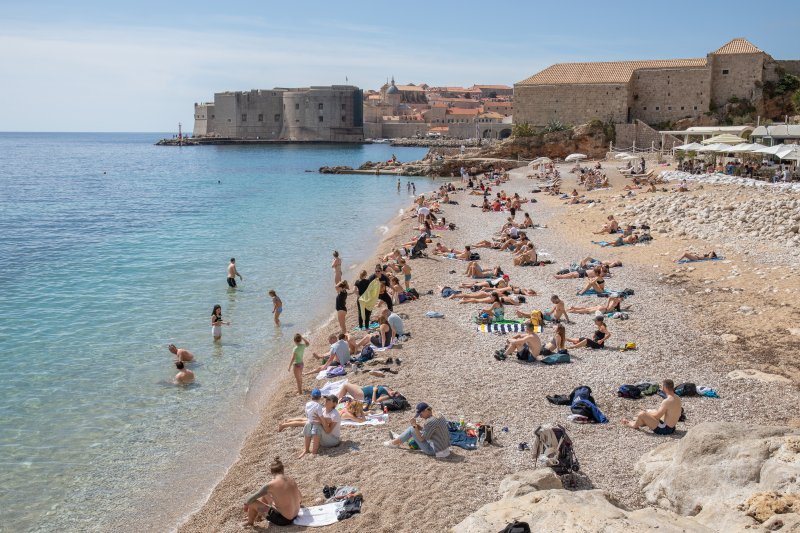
(725,324)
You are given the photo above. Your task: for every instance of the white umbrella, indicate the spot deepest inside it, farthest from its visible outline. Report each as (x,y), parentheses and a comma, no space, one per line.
(630,157)
(722,147)
(790,152)
(771,150)
(621,155)
(540,161)
(574,157)
(715,148)
(691,147)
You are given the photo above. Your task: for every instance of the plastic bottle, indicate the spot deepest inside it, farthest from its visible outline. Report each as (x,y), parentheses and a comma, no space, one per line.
(462,423)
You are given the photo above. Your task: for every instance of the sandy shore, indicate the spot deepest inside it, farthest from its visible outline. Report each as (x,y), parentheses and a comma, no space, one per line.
(676,324)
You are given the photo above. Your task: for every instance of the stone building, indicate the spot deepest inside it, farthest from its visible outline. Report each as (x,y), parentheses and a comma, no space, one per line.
(653,91)
(327,114)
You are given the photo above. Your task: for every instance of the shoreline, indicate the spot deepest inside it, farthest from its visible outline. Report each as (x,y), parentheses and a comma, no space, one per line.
(450,366)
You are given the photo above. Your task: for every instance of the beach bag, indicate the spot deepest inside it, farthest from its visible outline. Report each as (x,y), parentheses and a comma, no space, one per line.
(485,434)
(516,527)
(629,391)
(686,389)
(367,353)
(554,447)
(483,318)
(536,317)
(336,371)
(402,297)
(474,256)
(397,403)
(413,293)
(556,358)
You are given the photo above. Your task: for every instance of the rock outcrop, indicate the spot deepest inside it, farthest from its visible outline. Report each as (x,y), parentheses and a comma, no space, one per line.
(590,139)
(719,477)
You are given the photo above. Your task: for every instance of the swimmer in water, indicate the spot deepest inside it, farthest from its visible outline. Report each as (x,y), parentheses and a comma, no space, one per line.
(184,375)
(232,273)
(277,307)
(180,354)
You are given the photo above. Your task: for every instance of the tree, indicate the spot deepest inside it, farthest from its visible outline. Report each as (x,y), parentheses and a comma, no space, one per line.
(796,101)
(522,129)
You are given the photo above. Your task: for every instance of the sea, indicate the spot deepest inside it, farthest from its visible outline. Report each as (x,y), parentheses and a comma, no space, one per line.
(111,248)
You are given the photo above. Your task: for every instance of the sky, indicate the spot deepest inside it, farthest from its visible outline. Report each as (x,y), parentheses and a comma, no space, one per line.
(140,66)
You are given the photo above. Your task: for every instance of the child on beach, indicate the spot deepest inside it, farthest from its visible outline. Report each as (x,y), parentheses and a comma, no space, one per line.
(296,362)
(406,270)
(277,307)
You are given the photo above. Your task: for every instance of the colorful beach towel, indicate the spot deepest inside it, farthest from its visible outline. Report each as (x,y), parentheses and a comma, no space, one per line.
(460,438)
(369,299)
(319,515)
(682,261)
(592,292)
(506,327)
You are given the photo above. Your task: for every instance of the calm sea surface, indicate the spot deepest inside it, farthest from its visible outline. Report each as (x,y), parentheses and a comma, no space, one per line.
(111,248)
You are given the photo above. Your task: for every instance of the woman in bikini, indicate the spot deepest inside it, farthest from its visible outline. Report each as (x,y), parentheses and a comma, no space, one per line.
(342,289)
(217,323)
(598,282)
(598,341)
(336,265)
(382,338)
(277,307)
(612,305)
(557,344)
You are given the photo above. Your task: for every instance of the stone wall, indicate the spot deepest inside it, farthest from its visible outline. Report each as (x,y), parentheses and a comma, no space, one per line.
(661,95)
(790,66)
(571,104)
(735,75)
(203,117)
(643,135)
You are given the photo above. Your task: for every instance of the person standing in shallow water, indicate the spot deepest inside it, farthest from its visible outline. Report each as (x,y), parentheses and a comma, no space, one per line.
(217,322)
(336,265)
(232,273)
(277,307)
(341,305)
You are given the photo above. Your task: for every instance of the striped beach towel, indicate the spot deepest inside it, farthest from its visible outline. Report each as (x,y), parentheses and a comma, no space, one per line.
(512,327)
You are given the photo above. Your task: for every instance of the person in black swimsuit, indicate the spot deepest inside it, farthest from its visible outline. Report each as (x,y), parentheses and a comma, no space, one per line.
(341,304)
(381,339)
(601,335)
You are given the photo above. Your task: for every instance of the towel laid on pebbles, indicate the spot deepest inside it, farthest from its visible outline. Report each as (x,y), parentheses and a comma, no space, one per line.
(372,420)
(682,261)
(319,515)
(506,327)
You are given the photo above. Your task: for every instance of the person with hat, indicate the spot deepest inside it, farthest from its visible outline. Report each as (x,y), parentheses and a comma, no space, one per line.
(433,438)
(323,424)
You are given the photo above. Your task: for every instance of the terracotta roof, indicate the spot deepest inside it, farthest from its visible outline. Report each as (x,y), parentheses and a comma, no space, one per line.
(738,46)
(602,72)
(462,111)
(491,114)
(409,88)
(491,87)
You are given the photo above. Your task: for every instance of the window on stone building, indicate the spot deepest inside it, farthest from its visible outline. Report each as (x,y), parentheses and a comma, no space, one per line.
(260,117)
(669,108)
(344,107)
(244,117)
(344,118)
(681,108)
(319,106)
(658,108)
(695,108)
(725,71)
(297,106)
(644,108)
(277,117)
(320,118)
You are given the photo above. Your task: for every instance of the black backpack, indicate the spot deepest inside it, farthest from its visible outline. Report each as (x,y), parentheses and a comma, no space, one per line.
(629,391)
(554,444)
(397,403)
(474,256)
(686,389)
(516,527)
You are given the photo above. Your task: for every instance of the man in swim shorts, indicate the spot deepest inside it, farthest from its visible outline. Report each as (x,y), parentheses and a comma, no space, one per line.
(181,354)
(232,273)
(664,419)
(184,375)
(278,501)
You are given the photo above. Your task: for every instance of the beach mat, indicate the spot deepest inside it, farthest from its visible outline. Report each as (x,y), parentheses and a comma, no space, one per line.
(507,327)
(372,420)
(592,292)
(682,261)
(319,515)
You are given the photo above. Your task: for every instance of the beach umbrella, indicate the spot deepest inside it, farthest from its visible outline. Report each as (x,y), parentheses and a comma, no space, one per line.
(715,148)
(540,161)
(746,147)
(621,155)
(790,153)
(574,157)
(630,157)
(771,150)
(725,138)
(693,147)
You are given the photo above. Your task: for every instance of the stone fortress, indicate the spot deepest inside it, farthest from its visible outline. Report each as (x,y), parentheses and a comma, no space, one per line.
(651,91)
(313,114)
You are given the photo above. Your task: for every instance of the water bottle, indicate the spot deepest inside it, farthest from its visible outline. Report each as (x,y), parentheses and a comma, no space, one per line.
(462,423)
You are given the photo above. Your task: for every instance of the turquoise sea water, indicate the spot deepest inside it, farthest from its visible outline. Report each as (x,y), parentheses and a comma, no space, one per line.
(111,248)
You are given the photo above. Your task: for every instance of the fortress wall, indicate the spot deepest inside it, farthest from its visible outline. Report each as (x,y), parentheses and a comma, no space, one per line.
(660,95)
(571,104)
(735,75)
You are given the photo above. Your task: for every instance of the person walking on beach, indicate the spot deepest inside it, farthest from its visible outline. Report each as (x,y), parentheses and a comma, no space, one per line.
(296,362)
(336,265)
(278,501)
(232,273)
(217,322)
(180,354)
(184,375)
(341,305)
(277,307)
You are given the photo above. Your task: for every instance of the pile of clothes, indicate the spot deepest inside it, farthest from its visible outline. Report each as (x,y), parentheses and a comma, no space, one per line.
(582,404)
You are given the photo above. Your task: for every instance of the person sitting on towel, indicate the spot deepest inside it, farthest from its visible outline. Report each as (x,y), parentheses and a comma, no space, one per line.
(278,501)
(433,438)
(609,227)
(664,419)
(601,335)
(597,282)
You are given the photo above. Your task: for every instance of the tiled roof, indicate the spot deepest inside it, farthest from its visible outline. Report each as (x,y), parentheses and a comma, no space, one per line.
(491,114)
(410,88)
(738,46)
(462,111)
(491,87)
(603,72)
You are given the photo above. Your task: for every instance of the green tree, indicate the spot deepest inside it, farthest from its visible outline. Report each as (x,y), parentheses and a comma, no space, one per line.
(522,129)
(796,101)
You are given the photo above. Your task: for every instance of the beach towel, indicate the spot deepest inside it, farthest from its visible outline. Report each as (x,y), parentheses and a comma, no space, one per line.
(319,515)
(369,299)
(682,261)
(332,387)
(506,327)
(592,292)
(372,420)
(324,374)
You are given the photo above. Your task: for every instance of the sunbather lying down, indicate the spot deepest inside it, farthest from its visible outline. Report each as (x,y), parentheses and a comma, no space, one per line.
(688,256)
(496,283)
(612,304)
(369,394)
(475,270)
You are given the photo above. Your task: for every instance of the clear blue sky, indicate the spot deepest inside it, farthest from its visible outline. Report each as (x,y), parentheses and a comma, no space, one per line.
(140,66)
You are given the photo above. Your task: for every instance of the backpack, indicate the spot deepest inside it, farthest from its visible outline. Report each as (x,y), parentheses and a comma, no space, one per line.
(629,391)
(555,447)
(686,389)
(560,357)
(413,293)
(397,403)
(485,434)
(367,353)
(516,527)
(474,256)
